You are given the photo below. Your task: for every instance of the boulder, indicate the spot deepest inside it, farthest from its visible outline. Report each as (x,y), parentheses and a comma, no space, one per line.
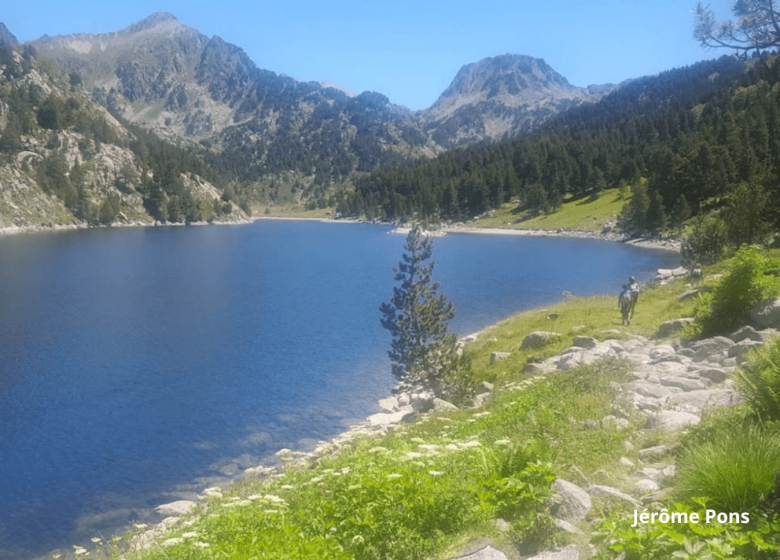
(685,296)
(747,332)
(587,342)
(175,509)
(498,356)
(709,347)
(537,339)
(609,492)
(740,347)
(440,405)
(716,375)
(652,390)
(484,387)
(576,356)
(384,419)
(390,404)
(684,383)
(571,502)
(766,315)
(707,398)
(672,420)
(647,485)
(671,328)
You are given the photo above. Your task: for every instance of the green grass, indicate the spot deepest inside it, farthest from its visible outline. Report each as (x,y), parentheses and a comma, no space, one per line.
(291,211)
(415,492)
(582,215)
(733,465)
(425,489)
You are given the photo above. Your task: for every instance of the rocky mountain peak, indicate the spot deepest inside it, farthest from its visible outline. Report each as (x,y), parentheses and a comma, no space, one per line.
(155,20)
(501,95)
(6,37)
(515,79)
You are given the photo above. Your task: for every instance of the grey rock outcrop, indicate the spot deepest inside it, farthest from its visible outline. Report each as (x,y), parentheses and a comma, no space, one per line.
(572,503)
(537,339)
(673,327)
(766,315)
(175,509)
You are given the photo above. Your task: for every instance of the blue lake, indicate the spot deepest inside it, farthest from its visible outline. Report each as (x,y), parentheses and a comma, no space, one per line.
(139,366)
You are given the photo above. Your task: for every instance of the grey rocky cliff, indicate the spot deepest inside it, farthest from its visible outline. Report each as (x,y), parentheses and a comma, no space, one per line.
(501,96)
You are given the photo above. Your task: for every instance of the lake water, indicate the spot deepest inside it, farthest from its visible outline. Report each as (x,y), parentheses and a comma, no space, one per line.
(139,366)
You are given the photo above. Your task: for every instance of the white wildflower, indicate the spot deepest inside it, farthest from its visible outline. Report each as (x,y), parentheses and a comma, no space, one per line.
(435,473)
(394,475)
(502,442)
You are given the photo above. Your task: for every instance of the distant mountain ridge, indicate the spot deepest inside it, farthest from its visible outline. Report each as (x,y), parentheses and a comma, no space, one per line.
(502,96)
(184,85)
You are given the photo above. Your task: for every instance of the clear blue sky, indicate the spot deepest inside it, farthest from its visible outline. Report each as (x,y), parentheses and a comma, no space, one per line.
(409,50)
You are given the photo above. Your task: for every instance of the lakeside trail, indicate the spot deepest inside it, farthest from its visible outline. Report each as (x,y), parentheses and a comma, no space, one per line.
(672,385)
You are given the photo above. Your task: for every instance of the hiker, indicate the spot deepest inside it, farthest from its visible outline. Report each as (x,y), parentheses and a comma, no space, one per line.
(697,275)
(626,304)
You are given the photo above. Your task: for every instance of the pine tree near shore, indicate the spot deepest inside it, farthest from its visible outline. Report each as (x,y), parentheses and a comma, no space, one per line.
(423,351)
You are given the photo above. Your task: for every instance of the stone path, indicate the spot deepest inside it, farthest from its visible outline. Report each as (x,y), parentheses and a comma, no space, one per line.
(672,385)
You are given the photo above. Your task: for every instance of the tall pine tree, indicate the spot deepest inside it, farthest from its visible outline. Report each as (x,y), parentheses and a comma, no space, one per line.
(423,351)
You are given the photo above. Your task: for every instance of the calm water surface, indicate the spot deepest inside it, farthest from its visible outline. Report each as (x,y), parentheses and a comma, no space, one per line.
(139,366)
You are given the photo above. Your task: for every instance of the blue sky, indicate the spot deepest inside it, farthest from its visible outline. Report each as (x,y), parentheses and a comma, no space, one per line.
(409,50)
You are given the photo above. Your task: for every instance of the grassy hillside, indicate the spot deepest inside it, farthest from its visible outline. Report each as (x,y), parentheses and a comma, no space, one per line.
(584,214)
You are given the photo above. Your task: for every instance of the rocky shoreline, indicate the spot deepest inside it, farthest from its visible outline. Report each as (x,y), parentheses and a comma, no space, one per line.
(673,384)
(669,244)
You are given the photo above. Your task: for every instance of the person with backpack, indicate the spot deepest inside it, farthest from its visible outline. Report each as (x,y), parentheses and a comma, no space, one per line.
(626,304)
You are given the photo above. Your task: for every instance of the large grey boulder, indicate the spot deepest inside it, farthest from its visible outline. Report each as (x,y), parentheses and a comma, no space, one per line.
(709,347)
(766,315)
(175,509)
(385,419)
(537,339)
(672,420)
(747,332)
(571,502)
(671,328)
(743,345)
(440,405)
(707,398)
(587,342)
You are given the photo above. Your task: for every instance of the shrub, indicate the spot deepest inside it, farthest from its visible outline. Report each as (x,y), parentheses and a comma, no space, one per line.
(747,284)
(760,381)
(706,242)
(735,471)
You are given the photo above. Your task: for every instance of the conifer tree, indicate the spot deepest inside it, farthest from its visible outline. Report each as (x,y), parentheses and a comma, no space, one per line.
(423,351)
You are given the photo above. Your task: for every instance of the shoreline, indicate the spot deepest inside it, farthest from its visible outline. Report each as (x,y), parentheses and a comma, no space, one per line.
(361,426)
(671,244)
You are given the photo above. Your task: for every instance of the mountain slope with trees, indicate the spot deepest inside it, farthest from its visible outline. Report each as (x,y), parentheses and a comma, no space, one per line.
(691,135)
(65,160)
